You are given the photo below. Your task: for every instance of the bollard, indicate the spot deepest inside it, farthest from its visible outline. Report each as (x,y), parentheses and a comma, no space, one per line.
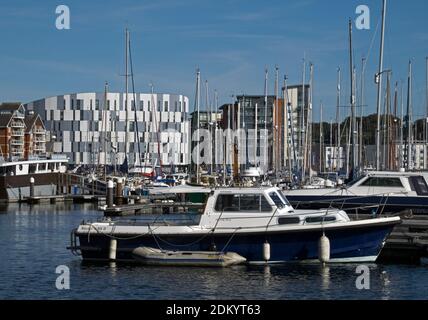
(110,194)
(119,191)
(32,187)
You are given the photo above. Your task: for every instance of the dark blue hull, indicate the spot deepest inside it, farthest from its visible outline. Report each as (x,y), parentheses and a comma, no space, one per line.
(395,204)
(362,243)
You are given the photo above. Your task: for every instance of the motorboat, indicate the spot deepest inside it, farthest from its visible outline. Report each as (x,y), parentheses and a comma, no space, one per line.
(374,192)
(258,224)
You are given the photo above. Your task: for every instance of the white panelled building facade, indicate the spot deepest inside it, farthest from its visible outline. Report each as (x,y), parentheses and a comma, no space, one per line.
(92,131)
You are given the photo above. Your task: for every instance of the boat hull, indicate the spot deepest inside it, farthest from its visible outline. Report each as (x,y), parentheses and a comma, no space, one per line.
(378,204)
(354,244)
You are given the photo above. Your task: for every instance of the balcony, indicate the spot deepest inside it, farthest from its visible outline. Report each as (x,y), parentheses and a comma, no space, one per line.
(15,142)
(39,131)
(15,151)
(17,124)
(17,133)
(40,139)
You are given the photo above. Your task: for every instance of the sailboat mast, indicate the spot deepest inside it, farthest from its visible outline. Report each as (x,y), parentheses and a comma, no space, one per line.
(126,94)
(198,101)
(105,120)
(379,85)
(402,128)
(354,162)
(409,123)
(302,124)
(339,133)
(321,137)
(308,136)
(362,89)
(266,112)
(275,123)
(426,119)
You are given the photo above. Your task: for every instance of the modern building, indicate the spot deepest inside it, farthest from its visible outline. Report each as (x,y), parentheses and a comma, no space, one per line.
(285,126)
(21,136)
(91,129)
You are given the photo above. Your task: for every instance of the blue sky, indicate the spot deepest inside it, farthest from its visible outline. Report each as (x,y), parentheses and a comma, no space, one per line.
(232,41)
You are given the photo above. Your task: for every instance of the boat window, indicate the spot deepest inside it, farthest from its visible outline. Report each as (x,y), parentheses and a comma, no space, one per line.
(289,220)
(383,182)
(419,185)
(279,202)
(242,203)
(33,168)
(320,219)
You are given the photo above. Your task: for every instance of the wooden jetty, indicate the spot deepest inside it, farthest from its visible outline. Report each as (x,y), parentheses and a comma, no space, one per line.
(80,198)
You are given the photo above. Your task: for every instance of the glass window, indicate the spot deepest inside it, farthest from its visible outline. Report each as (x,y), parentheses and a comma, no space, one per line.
(242,203)
(383,182)
(279,202)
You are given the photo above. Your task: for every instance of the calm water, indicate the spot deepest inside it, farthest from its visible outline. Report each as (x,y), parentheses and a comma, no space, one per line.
(33,243)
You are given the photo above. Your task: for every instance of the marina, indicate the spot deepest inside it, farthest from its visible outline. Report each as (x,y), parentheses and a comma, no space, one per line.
(233,156)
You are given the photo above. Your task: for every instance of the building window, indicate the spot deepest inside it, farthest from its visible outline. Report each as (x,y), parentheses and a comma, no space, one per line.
(166,106)
(90,104)
(97,104)
(142,105)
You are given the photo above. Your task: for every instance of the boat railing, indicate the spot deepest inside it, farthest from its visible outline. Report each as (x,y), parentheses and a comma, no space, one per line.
(339,203)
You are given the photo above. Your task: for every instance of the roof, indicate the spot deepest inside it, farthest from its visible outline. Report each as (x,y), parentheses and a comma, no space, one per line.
(30,120)
(10,106)
(5,119)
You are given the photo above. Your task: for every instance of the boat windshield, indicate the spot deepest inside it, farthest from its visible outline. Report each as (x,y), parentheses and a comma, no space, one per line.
(279,199)
(351,183)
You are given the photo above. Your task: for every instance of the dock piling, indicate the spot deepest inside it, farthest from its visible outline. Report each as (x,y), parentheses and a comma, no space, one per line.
(110,197)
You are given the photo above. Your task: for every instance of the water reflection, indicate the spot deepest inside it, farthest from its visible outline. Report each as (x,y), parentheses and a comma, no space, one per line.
(325,276)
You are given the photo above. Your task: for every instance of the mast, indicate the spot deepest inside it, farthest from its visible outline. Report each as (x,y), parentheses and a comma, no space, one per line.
(353,124)
(209,120)
(409,123)
(106,129)
(255,134)
(308,136)
(402,128)
(266,112)
(276,139)
(198,98)
(302,124)
(321,137)
(339,133)
(361,143)
(126,92)
(379,85)
(426,119)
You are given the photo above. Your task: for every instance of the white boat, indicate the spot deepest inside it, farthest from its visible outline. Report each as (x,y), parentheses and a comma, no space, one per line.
(387,192)
(15,177)
(157,257)
(251,222)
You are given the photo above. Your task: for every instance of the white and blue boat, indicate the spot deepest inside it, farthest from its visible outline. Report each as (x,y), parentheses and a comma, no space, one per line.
(375,192)
(258,224)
